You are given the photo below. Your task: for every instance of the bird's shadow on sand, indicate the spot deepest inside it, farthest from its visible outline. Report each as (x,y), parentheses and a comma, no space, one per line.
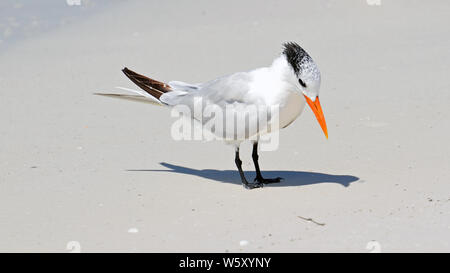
(291,178)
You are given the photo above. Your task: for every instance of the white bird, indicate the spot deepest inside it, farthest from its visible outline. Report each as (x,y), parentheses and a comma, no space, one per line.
(291,80)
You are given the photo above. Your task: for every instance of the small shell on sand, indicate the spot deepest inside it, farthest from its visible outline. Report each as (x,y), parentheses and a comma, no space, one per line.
(133,230)
(243,243)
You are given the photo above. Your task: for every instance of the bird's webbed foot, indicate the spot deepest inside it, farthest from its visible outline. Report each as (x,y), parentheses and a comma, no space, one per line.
(262,180)
(250,186)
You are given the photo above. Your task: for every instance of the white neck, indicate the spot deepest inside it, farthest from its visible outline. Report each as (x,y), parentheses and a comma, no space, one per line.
(284,71)
(288,96)
(275,83)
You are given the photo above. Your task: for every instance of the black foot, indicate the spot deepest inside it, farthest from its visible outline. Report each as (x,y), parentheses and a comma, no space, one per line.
(250,186)
(268,180)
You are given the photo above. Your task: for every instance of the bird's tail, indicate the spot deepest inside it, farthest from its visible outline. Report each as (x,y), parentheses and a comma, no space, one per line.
(152,87)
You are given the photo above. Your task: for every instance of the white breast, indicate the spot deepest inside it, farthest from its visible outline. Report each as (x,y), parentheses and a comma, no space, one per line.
(276,87)
(291,107)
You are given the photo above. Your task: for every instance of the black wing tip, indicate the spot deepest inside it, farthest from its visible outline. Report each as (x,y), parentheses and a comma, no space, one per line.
(129,73)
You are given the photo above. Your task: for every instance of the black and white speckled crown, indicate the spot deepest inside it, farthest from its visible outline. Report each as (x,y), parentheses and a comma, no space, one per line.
(301,62)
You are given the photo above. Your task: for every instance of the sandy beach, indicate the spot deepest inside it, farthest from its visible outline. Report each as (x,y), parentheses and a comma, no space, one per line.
(107,175)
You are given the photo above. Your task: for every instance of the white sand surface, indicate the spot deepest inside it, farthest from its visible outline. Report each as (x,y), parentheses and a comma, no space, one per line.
(106,173)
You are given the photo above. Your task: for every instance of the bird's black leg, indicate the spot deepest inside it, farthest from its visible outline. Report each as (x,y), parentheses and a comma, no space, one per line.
(259,177)
(247,185)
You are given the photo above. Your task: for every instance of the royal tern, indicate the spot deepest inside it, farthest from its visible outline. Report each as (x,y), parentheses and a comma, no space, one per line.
(291,80)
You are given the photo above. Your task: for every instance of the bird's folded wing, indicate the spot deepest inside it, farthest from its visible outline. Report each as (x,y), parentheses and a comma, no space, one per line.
(222,91)
(183,86)
(227,90)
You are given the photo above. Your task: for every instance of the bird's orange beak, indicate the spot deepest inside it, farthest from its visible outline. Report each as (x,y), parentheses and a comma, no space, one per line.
(317,109)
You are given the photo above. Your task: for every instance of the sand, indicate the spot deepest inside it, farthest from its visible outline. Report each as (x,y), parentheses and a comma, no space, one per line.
(105,175)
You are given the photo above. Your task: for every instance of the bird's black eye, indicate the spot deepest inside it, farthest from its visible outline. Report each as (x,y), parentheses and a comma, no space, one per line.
(302,83)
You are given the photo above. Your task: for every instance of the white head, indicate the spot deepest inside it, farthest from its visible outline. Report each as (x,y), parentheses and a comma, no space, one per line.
(308,76)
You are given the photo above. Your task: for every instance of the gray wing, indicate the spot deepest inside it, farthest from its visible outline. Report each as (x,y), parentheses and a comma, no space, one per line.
(219,103)
(221,91)
(183,86)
